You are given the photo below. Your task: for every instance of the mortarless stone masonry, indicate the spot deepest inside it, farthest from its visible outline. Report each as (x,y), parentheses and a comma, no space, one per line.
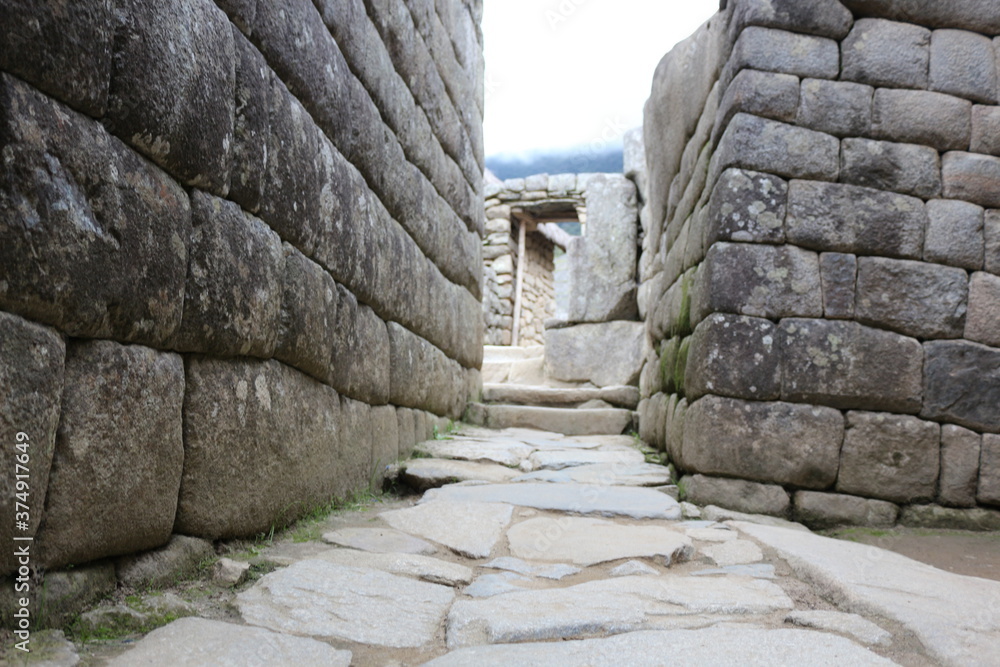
(824,306)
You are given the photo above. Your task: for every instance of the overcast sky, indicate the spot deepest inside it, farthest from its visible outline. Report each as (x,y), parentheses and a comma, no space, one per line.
(566,73)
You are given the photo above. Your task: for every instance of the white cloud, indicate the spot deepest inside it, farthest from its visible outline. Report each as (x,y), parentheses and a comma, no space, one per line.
(564,73)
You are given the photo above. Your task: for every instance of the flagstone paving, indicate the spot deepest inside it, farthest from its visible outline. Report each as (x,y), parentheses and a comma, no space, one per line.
(579,569)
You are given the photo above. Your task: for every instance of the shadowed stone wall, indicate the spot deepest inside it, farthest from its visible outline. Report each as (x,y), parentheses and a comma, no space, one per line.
(820,271)
(240,259)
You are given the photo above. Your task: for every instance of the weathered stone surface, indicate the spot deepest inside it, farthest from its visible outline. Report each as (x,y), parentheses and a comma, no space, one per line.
(621,604)
(232,295)
(988,492)
(118,454)
(425,474)
(983,322)
(847,365)
(730,643)
(858,627)
(852,219)
(972,177)
(733,552)
(32,358)
(734,356)
(826,510)
(736,494)
(964,63)
(839,274)
(434,570)
(767,94)
(379,540)
(158,568)
(586,542)
(308,316)
(887,53)
(716,514)
(954,233)
(906,168)
(421,375)
(788,52)
(747,206)
(827,18)
(556,459)
(960,450)
(892,457)
(67,593)
(711,533)
(188,642)
(66,53)
(948,518)
(48,647)
(606,354)
(962,384)
(468,529)
(545,570)
(978,15)
(228,572)
(488,585)
(348,603)
(261,447)
(578,498)
(922,117)
(188,131)
(254,81)
(603,261)
(759,144)
(985,130)
(101,266)
(724,436)
(505,452)
(840,108)
(991,230)
(604,474)
(634,568)
(359,363)
(759,281)
(913,298)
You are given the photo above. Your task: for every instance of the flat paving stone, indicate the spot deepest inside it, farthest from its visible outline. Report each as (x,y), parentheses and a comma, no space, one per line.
(634,568)
(423,474)
(608,606)
(470,529)
(718,533)
(557,459)
(957,618)
(585,541)
(857,626)
(544,570)
(603,474)
(734,552)
(719,514)
(637,503)
(379,540)
(488,585)
(719,645)
(543,444)
(196,642)
(434,570)
(755,570)
(507,453)
(321,599)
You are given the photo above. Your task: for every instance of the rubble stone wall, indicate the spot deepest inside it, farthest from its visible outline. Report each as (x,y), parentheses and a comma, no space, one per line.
(240,258)
(820,268)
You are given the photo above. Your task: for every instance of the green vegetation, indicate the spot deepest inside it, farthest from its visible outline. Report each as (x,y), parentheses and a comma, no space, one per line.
(668,359)
(680,367)
(309,527)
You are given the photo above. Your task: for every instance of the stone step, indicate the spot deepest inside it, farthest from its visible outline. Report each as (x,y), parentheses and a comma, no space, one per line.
(568,421)
(520,394)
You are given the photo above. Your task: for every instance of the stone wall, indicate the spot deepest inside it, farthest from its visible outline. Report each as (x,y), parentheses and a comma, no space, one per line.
(240,258)
(820,270)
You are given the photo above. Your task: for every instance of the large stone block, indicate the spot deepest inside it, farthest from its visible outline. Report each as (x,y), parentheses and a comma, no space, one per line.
(308,321)
(736,494)
(962,384)
(603,262)
(983,321)
(913,298)
(747,206)
(985,130)
(991,232)
(846,365)
(988,490)
(887,53)
(118,456)
(922,117)
(826,510)
(892,457)
(359,360)
(758,144)
(840,108)
(960,450)
(767,94)
(233,292)
(852,219)
(64,52)
(173,78)
(978,15)
(827,18)
(254,84)
(758,280)
(839,274)
(782,443)
(606,354)
(972,177)
(261,447)
(357,444)
(964,63)
(936,517)
(787,52)
(954,233)
(106,231)
(735,356)
(907,168)
(31,386)
(421,376)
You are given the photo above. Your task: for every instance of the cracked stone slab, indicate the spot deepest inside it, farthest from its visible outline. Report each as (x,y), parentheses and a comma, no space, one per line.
(857,626)
(558,459)
(729,644)
(755,570)
(719,514)
(603,474)
(545,444)
(544,570)
(637,503)
(508,453)
(379,540)
(470,529)
(634,568)
(608,606)
(195,642)
(718,533)
(488,585)
(585,541)
(423,474)
(434,570)
(734,552)
(329,601)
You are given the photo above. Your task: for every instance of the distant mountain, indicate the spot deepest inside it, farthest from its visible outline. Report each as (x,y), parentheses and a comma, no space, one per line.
(562,162)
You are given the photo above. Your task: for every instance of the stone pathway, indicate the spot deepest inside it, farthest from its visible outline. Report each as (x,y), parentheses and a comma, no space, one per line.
(525,562)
